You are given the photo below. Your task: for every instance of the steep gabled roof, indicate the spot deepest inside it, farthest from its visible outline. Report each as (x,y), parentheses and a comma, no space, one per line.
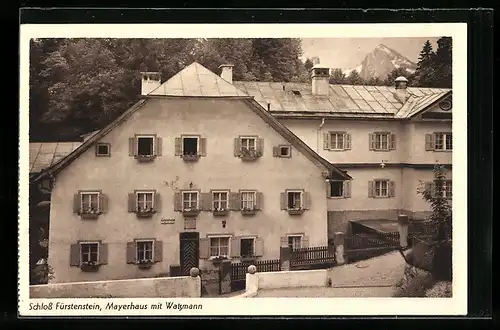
(43,155)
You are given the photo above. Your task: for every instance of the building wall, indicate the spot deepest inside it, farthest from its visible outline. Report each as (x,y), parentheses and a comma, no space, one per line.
(220,121)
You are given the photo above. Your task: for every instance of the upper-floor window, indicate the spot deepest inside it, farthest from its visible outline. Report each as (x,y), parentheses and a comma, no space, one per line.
(336,141)
(248,200)
(248,147)
(89,202)
(190,200)
(447,188)
(339,189)
(248,144)
(145,147)
(439,141)
(102,149)
(381,188)
(145,201)
(220,200)
(382,141)
(190,147)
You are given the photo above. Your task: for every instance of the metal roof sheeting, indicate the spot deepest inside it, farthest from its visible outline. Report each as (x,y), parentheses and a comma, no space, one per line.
(45,154)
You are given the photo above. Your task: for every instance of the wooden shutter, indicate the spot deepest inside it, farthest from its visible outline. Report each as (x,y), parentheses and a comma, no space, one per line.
(203,147)
(347,189)
(206,201)
(157,197)
(103,203)
(305,241)
(283,241)
(235,247)
(131,202)
(103,253)
(430,142)
(391,189)
(237,147)
(260,146)
(259,247)
(328,188)
(158,256)
(74,255)
(392,141)
(347,141)
(283,201)
(259,200)
(132,151)
(178,146)
(371,189)
(131,253)
(326,141)
(204,248)
(177,201)
(371,141)
(159,146)
(306,203)
(276,152)
(234,201)
(77,203)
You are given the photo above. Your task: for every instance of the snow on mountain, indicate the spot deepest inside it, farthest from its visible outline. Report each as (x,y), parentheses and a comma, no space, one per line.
(380,62)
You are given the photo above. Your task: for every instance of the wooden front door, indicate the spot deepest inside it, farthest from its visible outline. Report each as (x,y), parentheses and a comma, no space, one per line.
(189,251)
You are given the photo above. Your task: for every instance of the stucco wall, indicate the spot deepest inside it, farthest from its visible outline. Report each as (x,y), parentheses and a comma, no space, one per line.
(291,279)
(185,286)
(218,120)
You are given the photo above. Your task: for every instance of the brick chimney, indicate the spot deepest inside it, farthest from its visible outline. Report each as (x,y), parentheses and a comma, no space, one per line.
(227,72)
(150,81)
(320,80)
(401,92)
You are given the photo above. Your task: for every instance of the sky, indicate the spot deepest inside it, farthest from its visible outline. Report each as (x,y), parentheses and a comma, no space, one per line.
(348,53)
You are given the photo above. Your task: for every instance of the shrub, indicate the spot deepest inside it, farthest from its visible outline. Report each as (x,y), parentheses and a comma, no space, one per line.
(441,289)
(415,283)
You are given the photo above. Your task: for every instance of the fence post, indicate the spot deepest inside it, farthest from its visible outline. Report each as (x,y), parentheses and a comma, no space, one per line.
(285,258)
(252,280)
(339,248)
(403,230)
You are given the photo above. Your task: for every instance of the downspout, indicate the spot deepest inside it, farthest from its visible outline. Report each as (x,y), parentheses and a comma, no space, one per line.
(318,134)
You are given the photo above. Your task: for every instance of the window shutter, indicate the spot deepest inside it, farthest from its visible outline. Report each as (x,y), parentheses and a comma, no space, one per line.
(371,189)
(235,247)
(159,143)
(103,253)
(260,147)
(131,147)
(276,151)
(203,147)
(391,189)
(178,146)
(131,253)
(259,200)
(283,241)
(392,141)
(178,201)
(204,248)
(158,256)
(347,141)
(283,201)
(430,142)
(328,189)
(234,201)
(304,242)
(347,189)
(372,141)
(74,255)
(131,202)
(326,141)
(103,203)
(237,147)
(206,202)
(306,203)
(157,207)
(259,247)
(77,203)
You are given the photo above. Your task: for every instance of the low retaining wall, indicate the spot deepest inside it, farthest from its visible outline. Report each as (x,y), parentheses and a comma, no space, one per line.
(183,286)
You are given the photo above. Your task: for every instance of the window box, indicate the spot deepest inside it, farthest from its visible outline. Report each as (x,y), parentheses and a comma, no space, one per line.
(218,259)
(145,263)
(248,211)
(92,214)
(248,259)
(296,211)
(220,212)
(249,155)
(145,158)
(190,212)
(89,266)
(190,158)
(145,213)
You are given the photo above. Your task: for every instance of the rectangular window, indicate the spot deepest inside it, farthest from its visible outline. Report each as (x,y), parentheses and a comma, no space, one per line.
(248,144)
(90,202)
(336,141)
(294,199)
(381,188)
(247,247)
(337,188)
(145,146)
(294,242)
(219,246)
(220,200)
(144,250)
(248,200)
(382,141)
(190,200)
(145,201)
(443,141)
(285,151)
(89,252)
(447,189)
(102,149)
(190,145)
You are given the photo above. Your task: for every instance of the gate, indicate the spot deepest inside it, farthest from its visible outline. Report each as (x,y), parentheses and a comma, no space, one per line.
(239,271)
(189,251)
(317,257)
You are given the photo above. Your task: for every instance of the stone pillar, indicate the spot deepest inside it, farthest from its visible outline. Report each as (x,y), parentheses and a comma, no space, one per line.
(194,283)
(252,280)
(403,230)
(285,258)
(339,248)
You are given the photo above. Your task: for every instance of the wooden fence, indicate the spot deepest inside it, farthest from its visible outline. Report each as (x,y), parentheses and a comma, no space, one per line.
(239,271)
(312,257)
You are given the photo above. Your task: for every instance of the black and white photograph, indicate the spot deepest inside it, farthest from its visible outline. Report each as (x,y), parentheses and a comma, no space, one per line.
(166,171)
